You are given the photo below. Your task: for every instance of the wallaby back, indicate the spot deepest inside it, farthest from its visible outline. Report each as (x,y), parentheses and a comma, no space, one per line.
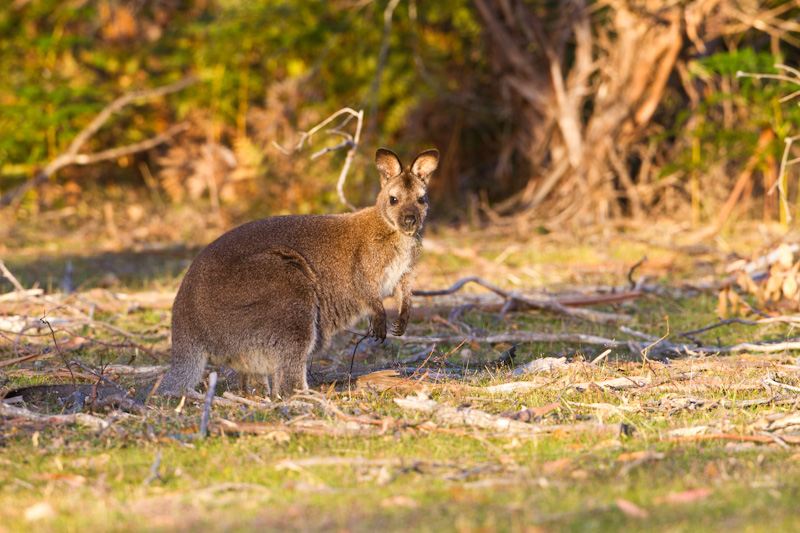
(266,296)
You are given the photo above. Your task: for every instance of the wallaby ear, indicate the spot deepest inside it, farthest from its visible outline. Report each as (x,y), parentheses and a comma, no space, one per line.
(425,163)
(388,164)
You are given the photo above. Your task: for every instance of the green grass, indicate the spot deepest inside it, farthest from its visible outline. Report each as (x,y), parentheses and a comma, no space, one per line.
(414,476)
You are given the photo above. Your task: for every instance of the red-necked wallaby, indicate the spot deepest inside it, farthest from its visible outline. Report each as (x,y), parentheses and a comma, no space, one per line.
(266,296)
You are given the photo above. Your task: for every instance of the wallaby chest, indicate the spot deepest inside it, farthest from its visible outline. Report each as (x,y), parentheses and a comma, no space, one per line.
(399,265)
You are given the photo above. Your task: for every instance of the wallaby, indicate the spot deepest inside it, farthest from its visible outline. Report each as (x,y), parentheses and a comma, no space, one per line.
(266,296)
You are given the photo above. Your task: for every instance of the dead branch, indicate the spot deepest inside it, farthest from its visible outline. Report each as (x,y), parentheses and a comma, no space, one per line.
(475,418)
(71,155)
(789,439)
(452,416)
(792,388)
(792,320)
(250,403)
(351,142)
(212,389)
(310,427)
(518,301)
(515,337)
(372,95)
(83,419)
(10,277)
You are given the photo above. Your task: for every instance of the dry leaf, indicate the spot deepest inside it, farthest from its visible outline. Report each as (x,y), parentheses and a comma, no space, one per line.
(631,509)
(785,257)
(608,443)
(552,467)
(632,456)
(390,380)
(399,501)
(686,496)
(39,511)
(789,287)
(279,436)
(68,479)
(772,289)
(722,304)
(689,431)
(96,462)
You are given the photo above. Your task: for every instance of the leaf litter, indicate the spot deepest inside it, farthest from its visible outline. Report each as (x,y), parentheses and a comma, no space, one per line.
(501,370)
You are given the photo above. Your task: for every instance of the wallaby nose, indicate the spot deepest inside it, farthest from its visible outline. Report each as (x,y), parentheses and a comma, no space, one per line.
(409,220)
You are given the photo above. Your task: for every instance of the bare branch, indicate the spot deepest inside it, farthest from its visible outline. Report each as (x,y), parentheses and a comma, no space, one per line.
(71,156)
(351,142)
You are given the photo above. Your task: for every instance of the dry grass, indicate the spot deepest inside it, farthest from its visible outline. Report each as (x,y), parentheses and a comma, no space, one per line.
(653,431)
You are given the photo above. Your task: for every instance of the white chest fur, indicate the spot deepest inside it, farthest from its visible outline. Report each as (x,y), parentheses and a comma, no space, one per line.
(396,270)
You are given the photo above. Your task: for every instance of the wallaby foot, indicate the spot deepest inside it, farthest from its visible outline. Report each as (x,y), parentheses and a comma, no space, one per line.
(290,380)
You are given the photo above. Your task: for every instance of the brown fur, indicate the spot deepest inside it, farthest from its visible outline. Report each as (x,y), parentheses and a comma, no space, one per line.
(266,296)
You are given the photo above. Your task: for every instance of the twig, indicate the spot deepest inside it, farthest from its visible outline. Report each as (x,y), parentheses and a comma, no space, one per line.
(71,156)
(212,389)
(58,349)
(789,439)
(792,320)
(600,357)
(374,89)
(769,381)
(348,160)
(10,277)
(154,474)
(98,375)
(24,358)
(775,400)
(124,344)
(250,403)
(83,419)
(352,142)
(633,269)
(511,338)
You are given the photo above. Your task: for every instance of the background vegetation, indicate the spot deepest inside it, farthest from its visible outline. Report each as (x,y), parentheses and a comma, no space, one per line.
(634,106)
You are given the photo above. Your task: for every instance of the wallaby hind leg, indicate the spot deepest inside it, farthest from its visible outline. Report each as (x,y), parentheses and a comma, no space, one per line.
(286,318)
(186,368)
(253,383)
(290,379)
(291,338)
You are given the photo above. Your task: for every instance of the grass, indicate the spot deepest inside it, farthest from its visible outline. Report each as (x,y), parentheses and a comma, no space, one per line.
(400,470)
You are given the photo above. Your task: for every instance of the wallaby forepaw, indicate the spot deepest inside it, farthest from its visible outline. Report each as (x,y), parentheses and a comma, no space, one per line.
(399,327)
(377,329)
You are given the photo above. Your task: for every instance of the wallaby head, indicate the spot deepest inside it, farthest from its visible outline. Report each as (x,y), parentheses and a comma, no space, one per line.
(403,200)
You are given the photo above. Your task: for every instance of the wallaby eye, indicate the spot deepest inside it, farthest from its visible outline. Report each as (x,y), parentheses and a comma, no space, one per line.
(393,200)
(421,200)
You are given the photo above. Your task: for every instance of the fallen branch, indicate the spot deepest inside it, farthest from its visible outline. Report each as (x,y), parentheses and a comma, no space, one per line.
(789,439)
(769,381)
(452,416)
(515,301)
(10,277)
(250,403)
(83,419)
(72,157)
(311,427)
(212,389)
(511,338)
(792,320)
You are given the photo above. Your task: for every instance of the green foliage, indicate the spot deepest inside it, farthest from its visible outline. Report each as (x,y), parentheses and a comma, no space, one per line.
(734,111)
(62,62)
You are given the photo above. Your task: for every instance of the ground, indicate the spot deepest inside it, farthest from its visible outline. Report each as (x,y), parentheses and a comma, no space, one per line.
(636,424)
